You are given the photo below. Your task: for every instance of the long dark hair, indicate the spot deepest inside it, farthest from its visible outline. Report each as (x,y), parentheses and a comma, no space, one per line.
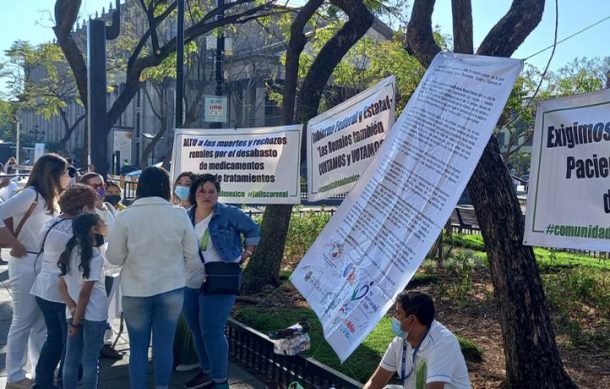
(153,182)
(45,178)
(82,228)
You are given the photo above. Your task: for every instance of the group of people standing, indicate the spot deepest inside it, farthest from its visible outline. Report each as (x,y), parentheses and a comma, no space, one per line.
(66,243)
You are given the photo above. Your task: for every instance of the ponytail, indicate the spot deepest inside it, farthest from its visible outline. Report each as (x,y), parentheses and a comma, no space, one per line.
(82,228)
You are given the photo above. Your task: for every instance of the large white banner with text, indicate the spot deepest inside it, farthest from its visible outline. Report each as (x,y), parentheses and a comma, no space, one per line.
(342,141)
(388,222)
(568,201)
(254,165)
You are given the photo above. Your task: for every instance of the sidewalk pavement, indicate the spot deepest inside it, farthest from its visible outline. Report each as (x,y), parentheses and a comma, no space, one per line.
(113,374)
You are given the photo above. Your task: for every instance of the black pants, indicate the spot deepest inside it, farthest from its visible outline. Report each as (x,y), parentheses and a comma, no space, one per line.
(54,347)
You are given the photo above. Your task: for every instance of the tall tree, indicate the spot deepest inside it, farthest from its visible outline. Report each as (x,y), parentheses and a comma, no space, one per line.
(40,81)
(153,45)
(532,357)
(265,264)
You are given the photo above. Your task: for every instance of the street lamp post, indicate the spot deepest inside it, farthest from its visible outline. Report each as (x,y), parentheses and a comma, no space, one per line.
(36,133)
(18,145)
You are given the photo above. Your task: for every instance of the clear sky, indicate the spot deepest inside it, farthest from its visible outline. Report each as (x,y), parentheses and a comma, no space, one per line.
(32,20)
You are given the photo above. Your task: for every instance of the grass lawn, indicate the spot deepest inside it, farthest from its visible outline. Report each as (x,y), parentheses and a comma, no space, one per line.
(359,365)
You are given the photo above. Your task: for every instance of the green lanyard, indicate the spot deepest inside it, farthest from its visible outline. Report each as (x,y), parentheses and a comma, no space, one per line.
(205,239)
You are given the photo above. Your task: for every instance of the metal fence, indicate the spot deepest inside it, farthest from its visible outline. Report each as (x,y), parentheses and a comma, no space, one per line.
(254,350)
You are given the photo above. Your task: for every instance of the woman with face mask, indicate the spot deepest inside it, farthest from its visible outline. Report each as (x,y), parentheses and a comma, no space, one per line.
(182,185)
(185,357)
(114,195)
(107,213)
(54,235)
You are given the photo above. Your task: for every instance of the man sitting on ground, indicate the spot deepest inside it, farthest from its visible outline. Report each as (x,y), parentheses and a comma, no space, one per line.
(423,349)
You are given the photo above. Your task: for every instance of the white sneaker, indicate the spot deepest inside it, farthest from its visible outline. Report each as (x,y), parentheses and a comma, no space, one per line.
(185,367)
(25,383)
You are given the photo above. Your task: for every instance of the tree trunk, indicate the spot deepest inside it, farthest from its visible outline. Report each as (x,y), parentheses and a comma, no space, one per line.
(532,357)
(69,129)
(265,264)
(264,267)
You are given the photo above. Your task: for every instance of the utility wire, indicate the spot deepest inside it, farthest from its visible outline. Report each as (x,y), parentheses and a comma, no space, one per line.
(567,38)
(546,68)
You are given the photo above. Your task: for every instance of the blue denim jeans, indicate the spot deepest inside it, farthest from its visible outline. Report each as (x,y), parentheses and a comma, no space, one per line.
(159,314)
(52,351)
(84,348)
(207,317)
(191,315)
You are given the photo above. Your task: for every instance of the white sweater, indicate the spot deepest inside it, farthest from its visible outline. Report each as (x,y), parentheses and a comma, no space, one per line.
(152,239)
(16,207)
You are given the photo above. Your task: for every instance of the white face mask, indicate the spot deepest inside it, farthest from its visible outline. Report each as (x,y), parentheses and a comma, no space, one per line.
(397,330)
(182,192)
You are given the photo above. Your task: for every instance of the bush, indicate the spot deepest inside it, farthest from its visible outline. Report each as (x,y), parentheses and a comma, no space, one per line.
(303,230)
(581,297)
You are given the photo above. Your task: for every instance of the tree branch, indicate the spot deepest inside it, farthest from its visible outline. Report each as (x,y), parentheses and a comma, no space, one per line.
(508,34)
(66,13)
(296,44)
(360,20)
(135,69)
(462,26)
(420,39)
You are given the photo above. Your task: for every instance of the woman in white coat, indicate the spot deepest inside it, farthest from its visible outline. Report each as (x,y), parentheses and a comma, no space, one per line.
(152,239)
(29,210)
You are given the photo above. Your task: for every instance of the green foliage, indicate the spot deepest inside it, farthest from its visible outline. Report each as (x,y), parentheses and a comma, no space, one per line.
(303,230)
(549,259)
(469,241)
(7,120)
(582,75)
(460,267)
(167,68)
(471,351)
(581,296)
(369,61)
(39,79)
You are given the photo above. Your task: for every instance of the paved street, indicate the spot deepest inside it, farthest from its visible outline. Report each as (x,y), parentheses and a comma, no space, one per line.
(113,374)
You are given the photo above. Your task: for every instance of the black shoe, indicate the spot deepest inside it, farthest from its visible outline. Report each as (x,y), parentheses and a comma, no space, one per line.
(110,353)
(3,262)
(200,381)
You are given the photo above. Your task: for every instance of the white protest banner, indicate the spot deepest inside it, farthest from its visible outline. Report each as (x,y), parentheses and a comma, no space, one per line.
(342,141)
(388,222)
(568,201)
(254,165)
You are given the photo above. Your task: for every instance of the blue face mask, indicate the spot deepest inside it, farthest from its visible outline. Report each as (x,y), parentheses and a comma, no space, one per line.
(182,192)
(396,328)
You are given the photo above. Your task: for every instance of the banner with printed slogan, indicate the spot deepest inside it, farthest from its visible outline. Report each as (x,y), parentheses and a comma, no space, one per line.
(568,200)
(382,231)
(342,141)
(253,165)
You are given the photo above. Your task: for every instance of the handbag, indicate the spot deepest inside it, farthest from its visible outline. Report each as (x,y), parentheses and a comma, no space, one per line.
(8,222)
(220,277)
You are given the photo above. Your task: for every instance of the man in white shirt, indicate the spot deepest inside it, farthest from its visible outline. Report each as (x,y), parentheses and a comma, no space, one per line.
(423,352)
